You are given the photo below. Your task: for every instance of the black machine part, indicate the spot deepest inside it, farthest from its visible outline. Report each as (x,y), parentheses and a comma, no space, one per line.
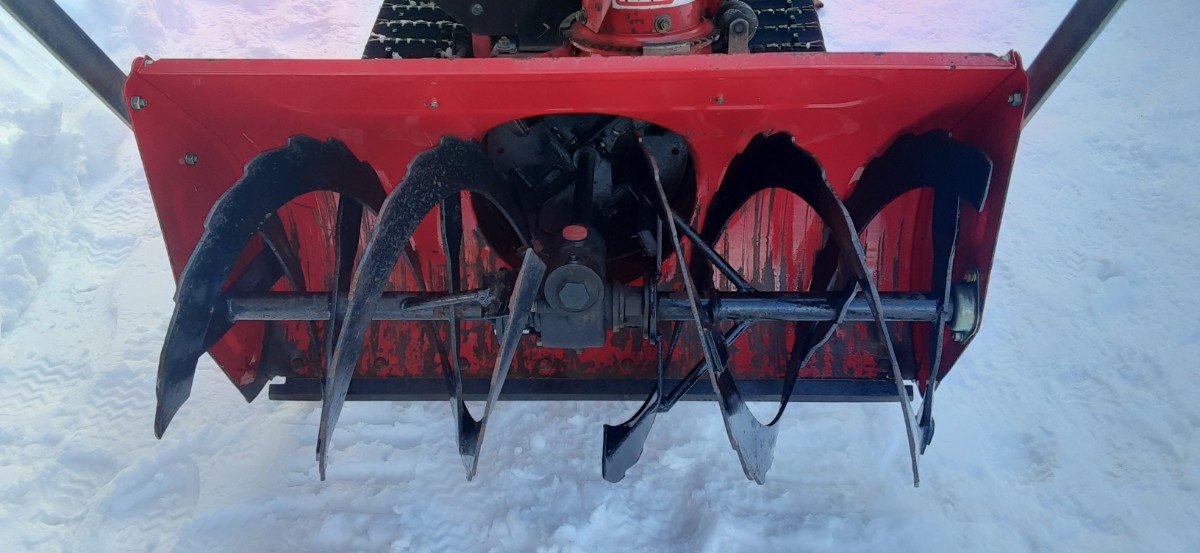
(425,29)
(541,159)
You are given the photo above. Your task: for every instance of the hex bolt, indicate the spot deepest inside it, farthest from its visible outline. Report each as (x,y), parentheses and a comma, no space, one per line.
(574,295)
(190,158)
(137,102)
(1016,99)
(476,9)
(662,23)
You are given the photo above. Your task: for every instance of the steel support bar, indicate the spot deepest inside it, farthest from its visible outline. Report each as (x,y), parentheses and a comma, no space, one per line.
(1074,35)
(394,306)
(432,306)
(52,27)
(804,306)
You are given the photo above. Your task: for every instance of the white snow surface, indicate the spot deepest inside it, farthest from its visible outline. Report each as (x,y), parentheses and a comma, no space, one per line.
(1069,425)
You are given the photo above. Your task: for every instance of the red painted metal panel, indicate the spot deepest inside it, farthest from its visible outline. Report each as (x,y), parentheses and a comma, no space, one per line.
(844,108)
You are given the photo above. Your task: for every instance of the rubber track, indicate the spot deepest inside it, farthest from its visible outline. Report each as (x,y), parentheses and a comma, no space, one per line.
(419,29)
(786,26)
(410,29)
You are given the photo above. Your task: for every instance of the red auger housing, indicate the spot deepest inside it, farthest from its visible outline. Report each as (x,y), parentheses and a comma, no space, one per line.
(674,199)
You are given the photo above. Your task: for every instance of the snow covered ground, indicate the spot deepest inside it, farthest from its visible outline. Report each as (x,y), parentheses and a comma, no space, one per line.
(1070,425)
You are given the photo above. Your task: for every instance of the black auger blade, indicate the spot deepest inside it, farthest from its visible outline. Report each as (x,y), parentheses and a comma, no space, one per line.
(956,172)
(466,426)
(271,179)
(520,305)
(754,442)
(623,443)
(454,165)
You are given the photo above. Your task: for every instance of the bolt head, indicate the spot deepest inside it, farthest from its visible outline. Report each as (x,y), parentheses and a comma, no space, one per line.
(662,23)
(476,9)
(574,296)
(137,102)
(1016,99)
(190,158)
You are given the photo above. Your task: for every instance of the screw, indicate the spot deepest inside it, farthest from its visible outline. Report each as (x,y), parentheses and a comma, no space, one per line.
(433,104)
(662,23)
(137,102)
(1015,99)
(190,158)
(476,9)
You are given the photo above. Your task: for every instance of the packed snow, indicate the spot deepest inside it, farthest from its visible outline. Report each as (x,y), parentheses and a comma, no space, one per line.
(1069,425)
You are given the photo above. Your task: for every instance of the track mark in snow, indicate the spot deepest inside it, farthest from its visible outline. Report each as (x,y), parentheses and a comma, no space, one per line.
(143,508)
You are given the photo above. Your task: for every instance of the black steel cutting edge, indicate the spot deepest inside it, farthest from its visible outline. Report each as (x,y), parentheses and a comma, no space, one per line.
(623,443)
(956,172)
(753,442)
(271,179)
(454,165)
(520,306)
(346,239)
(945,238)
(465,425)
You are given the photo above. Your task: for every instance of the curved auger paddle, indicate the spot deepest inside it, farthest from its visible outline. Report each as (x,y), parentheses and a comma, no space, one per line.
(271,180)
(444,171)
(953,169)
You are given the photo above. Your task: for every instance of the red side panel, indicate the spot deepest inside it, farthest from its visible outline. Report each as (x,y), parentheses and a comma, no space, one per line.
(844,108)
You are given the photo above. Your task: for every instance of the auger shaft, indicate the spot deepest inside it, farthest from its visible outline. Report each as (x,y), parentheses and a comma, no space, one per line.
(433,306)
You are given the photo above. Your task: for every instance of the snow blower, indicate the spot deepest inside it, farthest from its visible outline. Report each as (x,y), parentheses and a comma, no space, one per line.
(655,200)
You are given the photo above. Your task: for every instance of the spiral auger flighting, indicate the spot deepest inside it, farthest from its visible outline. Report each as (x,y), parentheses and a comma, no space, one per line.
(451,167)
(248,208)
(953,170)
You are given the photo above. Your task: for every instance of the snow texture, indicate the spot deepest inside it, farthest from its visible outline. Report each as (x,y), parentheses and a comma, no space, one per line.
(1070,424)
